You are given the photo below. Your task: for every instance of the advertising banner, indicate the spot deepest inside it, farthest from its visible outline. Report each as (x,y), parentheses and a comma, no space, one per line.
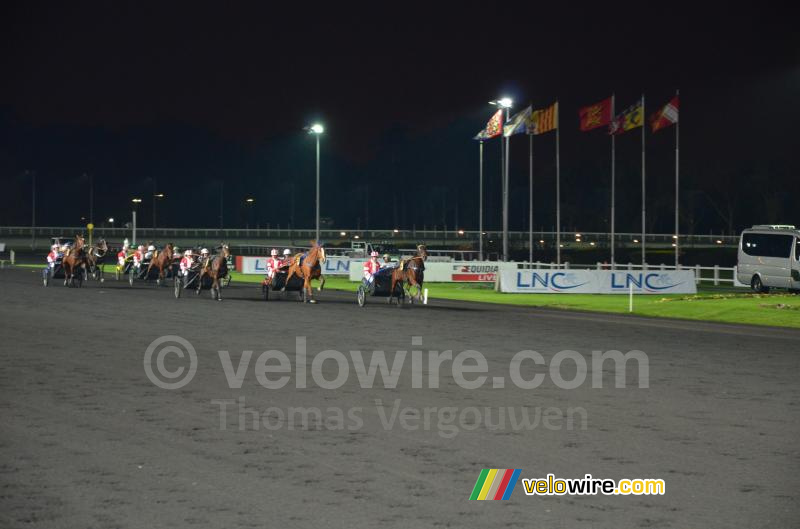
(450,272)
(597,281)
(333,266)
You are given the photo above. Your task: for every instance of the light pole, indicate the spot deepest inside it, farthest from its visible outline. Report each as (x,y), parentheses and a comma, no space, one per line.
(136,202)
(249,201)
(505,103)
(317,130)
(33,208)
(155,197)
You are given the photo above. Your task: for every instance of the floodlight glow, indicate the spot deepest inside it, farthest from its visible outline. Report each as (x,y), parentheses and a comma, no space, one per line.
(249,200)
(342,233)
(110,219)
(136,200)
(316,128)
(505,102)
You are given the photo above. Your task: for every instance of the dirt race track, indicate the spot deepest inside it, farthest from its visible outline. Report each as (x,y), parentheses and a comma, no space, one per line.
(88,440)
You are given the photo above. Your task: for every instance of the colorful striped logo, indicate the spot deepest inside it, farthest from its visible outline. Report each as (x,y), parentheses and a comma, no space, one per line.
(495,484)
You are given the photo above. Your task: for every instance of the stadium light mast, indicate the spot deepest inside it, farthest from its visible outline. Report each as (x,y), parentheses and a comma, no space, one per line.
(505,103)
(136,202)
(316,129)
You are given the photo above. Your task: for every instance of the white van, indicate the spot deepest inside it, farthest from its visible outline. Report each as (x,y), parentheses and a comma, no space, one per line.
(769,257)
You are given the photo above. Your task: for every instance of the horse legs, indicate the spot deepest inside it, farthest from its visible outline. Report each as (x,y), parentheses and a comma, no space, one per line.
(215,289)
(321,283)
(307,287)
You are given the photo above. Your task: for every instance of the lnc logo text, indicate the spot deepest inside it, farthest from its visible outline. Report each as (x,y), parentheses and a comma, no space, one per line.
(338,265)
(653,281)
(555,281)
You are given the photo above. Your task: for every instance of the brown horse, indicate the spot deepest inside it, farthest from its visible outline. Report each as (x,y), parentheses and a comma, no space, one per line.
(410,273)
(308,270)
(161,261)
(216,268)
(74,261)
(95,258)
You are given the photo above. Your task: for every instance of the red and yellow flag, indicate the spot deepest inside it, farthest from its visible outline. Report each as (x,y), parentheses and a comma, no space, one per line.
(544,120)
(596,115)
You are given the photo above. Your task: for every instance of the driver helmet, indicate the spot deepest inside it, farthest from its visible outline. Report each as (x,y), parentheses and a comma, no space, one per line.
(204,251)
(151,248)
(187,253)
(374,254)
(54,247)
(287,251)
(140,248)
(125,246)
(274,252)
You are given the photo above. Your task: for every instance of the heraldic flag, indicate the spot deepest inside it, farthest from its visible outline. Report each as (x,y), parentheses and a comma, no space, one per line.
(596,115)
(544,120)
(631,118)
(665,117)
(518,123)
(493,128)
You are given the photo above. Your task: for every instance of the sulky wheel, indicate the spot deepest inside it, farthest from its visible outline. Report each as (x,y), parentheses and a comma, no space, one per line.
(361,295)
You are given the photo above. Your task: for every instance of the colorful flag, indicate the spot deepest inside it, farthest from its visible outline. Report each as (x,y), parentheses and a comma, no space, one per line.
(666,116)
(495,484)
(518,123)
(493,128)
(597,115)
(630,118)
(544,120)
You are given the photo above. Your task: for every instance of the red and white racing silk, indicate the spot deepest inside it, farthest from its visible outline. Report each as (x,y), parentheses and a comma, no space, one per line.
(186,263)
(137,257)
(121,257)
(51,257)
(370,268)
(273,263)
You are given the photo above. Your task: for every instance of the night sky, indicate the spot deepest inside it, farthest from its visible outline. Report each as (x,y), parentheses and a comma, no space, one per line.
(187,99)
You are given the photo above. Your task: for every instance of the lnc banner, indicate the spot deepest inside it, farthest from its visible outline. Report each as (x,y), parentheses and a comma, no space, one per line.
(333,266)
(597,281)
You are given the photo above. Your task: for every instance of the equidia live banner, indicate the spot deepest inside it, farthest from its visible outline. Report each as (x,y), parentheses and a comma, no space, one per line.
(447,272)
(597,281)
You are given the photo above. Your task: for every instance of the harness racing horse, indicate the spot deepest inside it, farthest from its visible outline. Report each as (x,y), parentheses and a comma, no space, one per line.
(95,258)
(307,269)
(411,273)
(161,261)
(74,260)
(216,268)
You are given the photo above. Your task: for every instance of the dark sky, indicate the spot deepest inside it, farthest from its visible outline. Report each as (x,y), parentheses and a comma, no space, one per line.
(190,95)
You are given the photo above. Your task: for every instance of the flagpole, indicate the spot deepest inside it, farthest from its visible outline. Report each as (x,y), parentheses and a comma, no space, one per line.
(677,185)
(530,198)
(644,203)
(480,205)
(613,185)
(505,195)
(558,189)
